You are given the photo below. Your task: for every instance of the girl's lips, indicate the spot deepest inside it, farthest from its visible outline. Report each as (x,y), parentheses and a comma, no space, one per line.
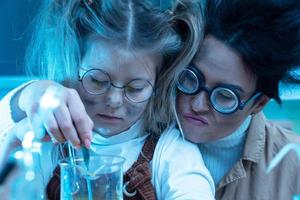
(196,120)
(110,118)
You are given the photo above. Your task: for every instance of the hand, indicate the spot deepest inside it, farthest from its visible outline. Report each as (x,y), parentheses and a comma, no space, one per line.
(69,121)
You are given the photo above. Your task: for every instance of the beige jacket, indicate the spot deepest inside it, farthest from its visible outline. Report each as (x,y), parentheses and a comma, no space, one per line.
(247,180)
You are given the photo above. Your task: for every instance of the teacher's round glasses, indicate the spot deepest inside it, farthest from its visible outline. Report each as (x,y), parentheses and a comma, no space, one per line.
(223,98)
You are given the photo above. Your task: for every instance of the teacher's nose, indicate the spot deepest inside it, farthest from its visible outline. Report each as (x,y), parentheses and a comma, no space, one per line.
(200,102)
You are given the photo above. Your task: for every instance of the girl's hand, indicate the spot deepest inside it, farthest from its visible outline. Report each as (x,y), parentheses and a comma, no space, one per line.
(69,121)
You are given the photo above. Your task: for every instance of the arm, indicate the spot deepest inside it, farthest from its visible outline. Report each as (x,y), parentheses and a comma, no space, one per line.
(69,121)
(8,146)
(179,171)
(10,111)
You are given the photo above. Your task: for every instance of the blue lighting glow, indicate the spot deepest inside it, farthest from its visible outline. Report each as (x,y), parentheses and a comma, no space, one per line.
(49,99)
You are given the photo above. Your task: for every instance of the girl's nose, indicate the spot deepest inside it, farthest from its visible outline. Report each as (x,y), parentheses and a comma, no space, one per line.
(200,102)
(114,97)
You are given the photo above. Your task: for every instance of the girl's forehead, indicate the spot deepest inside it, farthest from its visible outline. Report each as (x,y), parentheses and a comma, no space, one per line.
(120,61)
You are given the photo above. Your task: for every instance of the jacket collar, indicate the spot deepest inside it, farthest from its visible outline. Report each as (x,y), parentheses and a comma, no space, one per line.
(256,137)
(253,150)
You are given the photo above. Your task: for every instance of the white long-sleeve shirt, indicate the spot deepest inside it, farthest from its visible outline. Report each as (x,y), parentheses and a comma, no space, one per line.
(177,167)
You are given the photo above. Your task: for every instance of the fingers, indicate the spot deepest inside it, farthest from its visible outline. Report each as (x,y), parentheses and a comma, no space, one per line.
(34,120)
(53,130)
(65,124)
(68,121)
(45,127)
(80,118)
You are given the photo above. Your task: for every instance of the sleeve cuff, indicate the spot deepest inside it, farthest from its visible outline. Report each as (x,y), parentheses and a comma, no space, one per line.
(6,120)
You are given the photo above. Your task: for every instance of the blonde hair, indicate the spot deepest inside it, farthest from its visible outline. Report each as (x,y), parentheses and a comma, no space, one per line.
(63,27)
(189,21)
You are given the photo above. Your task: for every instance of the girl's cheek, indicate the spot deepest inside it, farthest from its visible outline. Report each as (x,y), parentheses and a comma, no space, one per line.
(135,111)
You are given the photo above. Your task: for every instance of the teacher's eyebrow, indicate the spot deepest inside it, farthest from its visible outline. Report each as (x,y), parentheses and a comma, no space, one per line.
(236,87)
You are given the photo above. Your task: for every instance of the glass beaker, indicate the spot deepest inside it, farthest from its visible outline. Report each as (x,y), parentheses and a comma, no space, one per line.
(101,180)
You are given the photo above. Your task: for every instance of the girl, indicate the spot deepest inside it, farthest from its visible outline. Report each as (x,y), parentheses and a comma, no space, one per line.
(105,57)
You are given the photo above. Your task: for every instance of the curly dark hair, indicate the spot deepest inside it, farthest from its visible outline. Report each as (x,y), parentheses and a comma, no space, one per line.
(266,33)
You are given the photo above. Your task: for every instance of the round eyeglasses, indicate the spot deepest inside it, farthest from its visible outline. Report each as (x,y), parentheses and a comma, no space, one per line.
(97,82)
(223,98)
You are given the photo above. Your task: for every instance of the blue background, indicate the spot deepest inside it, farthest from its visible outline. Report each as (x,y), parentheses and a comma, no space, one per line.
(15,25)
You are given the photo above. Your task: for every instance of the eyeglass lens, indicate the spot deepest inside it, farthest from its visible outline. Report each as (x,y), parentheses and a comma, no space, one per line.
(223,99)
(97,81)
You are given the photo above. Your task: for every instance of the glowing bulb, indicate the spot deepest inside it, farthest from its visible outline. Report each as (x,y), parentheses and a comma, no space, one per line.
(19,155)
(28,160)
(27,140)
(29,176)
(29,136)
(36,147)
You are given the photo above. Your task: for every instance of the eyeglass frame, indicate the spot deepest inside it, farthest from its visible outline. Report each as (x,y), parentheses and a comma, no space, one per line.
(240,104)
(80,78)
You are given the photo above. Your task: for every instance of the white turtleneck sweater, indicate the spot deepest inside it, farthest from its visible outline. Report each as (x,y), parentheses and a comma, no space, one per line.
(127,144)
(177,167)
(220,156)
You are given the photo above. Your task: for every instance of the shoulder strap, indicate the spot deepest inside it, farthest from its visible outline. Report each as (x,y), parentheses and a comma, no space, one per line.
(53,186)
(137,179)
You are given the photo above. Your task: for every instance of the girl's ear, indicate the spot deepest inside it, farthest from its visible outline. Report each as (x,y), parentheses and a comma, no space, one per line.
(260,104)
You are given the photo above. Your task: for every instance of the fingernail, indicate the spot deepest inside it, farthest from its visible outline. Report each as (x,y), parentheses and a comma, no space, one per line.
(87,143)
(77,146)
